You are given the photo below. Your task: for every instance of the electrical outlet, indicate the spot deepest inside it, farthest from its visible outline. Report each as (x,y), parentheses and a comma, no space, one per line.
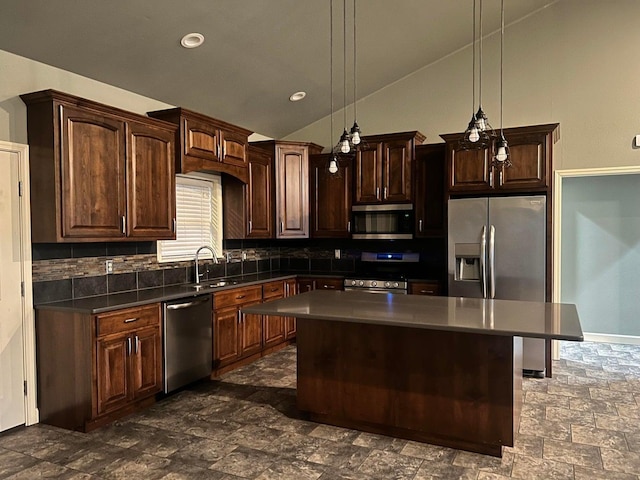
(337,253)
(109,266)
(244,255)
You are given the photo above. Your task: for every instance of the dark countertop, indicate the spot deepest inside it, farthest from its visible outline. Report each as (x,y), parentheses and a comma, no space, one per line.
(105,303)
(557,321)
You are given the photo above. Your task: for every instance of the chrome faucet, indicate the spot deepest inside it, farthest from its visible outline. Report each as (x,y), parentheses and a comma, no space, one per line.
(213,253)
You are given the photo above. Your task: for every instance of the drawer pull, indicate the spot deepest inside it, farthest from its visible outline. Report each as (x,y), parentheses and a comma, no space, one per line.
(130,320)
(240,297)
(328,287)
(136,344)
(427,291)
(275,289)
(239,316)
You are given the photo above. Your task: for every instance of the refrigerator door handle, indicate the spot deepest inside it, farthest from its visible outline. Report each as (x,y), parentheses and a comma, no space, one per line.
(492,262)
(483,266)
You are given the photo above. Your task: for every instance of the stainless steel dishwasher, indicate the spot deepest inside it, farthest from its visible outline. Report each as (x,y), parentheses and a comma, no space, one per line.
(187,341)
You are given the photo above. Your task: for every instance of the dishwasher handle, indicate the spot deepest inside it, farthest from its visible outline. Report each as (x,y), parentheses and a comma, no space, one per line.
(178,306)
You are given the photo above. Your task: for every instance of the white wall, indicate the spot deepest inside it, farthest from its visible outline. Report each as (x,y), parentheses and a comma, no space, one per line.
(601,252)
(574,62)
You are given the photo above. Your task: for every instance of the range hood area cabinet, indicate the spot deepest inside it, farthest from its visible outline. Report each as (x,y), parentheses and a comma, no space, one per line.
(531,152)
(430,187)
(207,144)
(383,168)
(330,196)
(287,187)
(98,173)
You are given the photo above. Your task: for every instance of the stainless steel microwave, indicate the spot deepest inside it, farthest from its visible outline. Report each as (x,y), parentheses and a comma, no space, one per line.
(382,222)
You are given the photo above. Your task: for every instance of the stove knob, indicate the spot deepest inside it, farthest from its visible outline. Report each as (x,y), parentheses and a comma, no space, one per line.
(387,284)
(374,284)
(353,283)
(396,285)
(361,283)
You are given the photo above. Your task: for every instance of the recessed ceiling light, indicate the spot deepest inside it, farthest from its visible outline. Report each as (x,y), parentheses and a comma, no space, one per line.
(295,97)
(192,40)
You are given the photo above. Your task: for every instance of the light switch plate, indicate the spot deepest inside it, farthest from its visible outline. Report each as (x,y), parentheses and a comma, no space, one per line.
(637,140)
(337,253)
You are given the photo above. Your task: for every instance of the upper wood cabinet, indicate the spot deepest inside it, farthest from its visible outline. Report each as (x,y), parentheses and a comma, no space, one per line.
(383,168)
(429,190)
(207,144)
(531,151)
(291,185)
(98,173)
(248,207)
(330,196)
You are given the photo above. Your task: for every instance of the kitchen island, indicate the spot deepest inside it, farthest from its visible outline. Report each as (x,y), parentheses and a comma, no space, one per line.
(441,370)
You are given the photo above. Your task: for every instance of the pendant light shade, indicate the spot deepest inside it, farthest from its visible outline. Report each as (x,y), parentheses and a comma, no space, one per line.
(502,157)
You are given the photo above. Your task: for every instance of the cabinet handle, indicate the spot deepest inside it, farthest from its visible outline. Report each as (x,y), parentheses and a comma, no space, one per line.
(420,225)
(500,178)
(123,226)
(286,289)
(250,226)
(328,287)
(175,226)
(281,226)
(239,297)
(224,150)
(275,289)
(239,316)
(429,292)
(491,178)
(128,346)
(384,195)
(129,320)
(349,226)
(217,150)
(136,344)
(378,193)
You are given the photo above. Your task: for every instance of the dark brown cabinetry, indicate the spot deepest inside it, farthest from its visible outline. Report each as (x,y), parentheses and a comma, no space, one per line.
(95,368)
(98,173)
(429,190)
(274,326)
(424,288)
(248,208)
(236,334)
(306,284)
(330,198)
(290,329)
(471,171)
(383,168)
(291,186)
(207,144)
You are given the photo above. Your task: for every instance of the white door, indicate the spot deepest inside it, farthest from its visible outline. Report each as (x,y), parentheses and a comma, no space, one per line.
(12,375)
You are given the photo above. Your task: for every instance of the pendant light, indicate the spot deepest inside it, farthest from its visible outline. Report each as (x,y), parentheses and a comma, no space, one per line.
(471,135)
(345,139)
(502,157)
(355,129)
(333,166)
(482,122)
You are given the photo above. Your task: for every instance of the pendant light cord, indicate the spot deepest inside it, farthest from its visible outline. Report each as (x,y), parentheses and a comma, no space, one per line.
(331,66)
(501,61)
(344,60)
(355,67)
(473,73)
(480,59)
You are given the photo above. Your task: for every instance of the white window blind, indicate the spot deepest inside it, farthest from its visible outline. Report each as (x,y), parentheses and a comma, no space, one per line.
(198,219)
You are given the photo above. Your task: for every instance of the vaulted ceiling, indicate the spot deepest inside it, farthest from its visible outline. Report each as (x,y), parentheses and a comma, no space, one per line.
(256,53)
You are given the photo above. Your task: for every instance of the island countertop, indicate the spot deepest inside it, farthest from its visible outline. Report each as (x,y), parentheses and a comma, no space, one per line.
(558,321)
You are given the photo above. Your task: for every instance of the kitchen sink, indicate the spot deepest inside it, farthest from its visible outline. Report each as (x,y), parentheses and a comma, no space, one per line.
(214,284)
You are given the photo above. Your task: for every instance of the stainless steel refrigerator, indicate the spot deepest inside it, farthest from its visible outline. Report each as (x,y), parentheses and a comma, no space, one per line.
(497,249)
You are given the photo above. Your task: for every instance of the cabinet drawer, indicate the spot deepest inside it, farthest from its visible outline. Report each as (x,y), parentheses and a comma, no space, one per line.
(237,296)
(329,284)
(424,288)
(273,290)
(127,320)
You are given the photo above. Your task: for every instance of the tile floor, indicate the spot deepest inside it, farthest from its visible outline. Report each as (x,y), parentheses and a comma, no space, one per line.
(582,424)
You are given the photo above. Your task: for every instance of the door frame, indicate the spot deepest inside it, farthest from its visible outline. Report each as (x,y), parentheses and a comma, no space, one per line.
(559,176)
(28,322)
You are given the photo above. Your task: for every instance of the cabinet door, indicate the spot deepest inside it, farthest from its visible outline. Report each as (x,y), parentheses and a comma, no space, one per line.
(274,330)
(259,198)
(151,206)
(225,335)
(292,191)
(234,148)
(469,170)
(397,171)
(112,372)
(306,284)
(329,284)
(92,174)
(429,190)
(201,139)
(368,174)
(330,198)
(424,288)
(528,162)
(146,363)
(251,332)
(290,322)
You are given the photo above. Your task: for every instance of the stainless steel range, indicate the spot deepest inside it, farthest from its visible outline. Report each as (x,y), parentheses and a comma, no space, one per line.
(382,272)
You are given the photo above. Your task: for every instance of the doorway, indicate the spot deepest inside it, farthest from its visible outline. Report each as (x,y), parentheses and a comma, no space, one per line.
(597,250)
(17,338)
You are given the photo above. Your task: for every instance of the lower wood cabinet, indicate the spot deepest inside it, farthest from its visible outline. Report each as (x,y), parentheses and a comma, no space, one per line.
(274,329)
(290,328)
(93,369)
(425,288)
(306,284)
